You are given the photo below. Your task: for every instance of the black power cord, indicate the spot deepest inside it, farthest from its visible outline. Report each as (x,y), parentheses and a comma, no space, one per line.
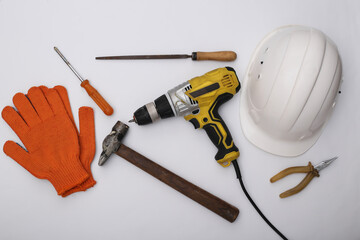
(238,175)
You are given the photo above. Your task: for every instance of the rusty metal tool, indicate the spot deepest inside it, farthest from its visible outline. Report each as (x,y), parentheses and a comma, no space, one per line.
(92,92)
(312,171)
(224,56)
(113,144)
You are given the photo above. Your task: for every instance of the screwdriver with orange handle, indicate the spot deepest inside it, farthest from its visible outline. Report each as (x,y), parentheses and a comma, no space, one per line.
(92,92)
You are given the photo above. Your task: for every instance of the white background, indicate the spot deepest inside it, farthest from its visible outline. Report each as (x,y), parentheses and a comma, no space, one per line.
(127,203)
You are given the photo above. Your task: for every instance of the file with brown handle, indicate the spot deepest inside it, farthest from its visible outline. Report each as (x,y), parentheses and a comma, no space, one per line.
(223,56)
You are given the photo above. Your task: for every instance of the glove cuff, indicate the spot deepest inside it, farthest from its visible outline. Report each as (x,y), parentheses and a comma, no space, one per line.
(68,176)
(90,182)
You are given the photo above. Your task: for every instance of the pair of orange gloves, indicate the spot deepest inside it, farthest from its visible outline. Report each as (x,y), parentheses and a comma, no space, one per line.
(55,149)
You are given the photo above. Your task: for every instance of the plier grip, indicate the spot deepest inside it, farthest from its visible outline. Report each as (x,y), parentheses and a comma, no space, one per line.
(311,173)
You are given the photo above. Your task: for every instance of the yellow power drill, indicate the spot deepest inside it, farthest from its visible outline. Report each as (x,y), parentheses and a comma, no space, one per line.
(198,101)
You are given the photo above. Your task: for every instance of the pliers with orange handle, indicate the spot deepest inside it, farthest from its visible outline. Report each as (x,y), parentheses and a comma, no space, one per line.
(312,171)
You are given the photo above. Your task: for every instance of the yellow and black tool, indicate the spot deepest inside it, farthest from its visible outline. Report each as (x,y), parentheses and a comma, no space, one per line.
(198,101)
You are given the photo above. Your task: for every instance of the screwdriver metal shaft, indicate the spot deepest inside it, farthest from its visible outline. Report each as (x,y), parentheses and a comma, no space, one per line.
(68,63)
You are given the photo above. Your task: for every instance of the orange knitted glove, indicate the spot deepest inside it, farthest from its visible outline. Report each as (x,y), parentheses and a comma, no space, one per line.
(51,140)
(86,138)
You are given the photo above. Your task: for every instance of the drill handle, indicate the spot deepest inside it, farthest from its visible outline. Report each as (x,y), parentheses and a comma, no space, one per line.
(219,134)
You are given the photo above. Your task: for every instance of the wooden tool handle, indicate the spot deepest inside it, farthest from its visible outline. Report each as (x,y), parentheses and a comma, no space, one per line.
(211,202)
(98,99)
(216,56)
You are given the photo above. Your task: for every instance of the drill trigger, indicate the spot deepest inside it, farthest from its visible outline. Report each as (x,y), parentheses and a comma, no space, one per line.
(195,123)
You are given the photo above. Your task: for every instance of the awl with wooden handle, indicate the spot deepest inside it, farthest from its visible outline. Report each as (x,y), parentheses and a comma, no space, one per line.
(92,92)
(225,56)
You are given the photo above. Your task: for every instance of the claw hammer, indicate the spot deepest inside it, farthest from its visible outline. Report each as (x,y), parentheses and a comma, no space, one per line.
(112,144)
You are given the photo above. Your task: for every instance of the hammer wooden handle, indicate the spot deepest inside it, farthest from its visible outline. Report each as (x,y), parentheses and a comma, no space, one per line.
(211,202)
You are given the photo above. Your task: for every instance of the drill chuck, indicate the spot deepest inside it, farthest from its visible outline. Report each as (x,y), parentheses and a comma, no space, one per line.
(174,103)
(151,112)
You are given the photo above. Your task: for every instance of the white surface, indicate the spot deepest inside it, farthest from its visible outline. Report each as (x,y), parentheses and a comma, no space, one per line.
(130,204)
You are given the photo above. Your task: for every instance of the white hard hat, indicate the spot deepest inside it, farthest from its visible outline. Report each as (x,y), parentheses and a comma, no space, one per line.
(289,90)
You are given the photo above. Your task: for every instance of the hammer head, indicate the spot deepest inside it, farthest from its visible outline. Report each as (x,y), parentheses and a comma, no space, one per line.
(112,141)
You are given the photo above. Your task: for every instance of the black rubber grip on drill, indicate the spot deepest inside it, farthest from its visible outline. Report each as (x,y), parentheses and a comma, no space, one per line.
(163,107)
(213,130)
(142,116)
